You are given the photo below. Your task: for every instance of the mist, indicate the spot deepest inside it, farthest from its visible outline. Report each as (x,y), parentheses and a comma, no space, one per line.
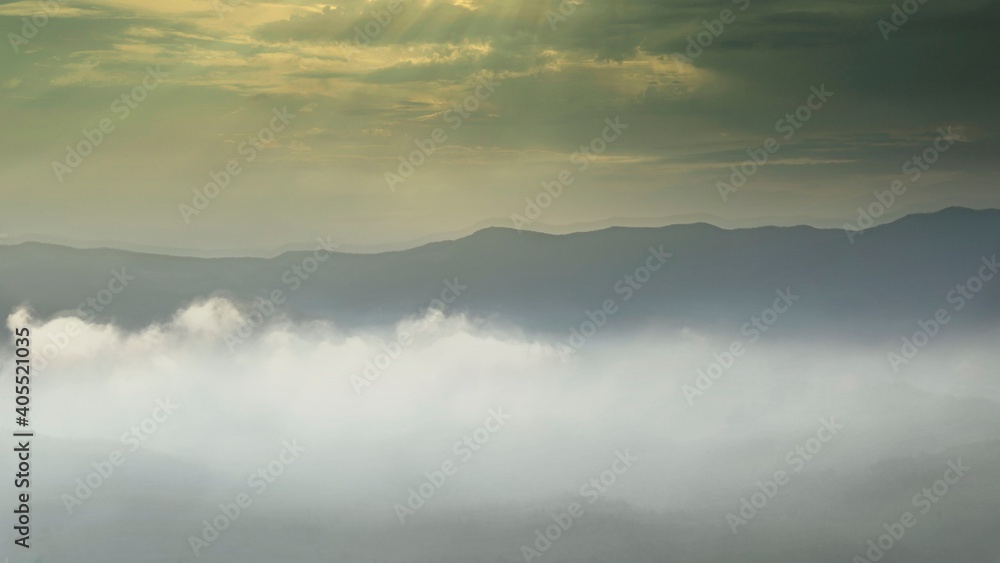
(439,416)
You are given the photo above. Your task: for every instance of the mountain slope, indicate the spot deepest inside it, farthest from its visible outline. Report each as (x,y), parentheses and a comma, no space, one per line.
(891,276)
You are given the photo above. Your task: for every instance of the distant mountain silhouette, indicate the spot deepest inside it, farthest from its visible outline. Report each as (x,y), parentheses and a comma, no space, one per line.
(890,277)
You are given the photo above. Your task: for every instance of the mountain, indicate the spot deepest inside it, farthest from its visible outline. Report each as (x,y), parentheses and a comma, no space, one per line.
(888,278)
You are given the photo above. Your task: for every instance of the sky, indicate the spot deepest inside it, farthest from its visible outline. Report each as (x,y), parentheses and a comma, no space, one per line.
(207,124)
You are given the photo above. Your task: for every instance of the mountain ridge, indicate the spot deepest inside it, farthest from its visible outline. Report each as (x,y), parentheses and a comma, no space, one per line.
(492,229)
(891,276)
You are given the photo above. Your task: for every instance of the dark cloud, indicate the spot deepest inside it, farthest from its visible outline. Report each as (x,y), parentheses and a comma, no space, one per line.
(368,100)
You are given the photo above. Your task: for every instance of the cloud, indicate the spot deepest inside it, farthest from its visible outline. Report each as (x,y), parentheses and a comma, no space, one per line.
(607,58)
(381,406)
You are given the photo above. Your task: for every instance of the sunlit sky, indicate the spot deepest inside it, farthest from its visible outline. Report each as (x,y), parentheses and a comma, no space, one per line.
(556,74)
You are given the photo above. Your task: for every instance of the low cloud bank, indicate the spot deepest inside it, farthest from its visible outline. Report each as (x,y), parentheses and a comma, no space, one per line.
(505,418)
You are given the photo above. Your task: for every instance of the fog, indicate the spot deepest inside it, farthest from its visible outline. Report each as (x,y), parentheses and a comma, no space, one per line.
(523,426)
